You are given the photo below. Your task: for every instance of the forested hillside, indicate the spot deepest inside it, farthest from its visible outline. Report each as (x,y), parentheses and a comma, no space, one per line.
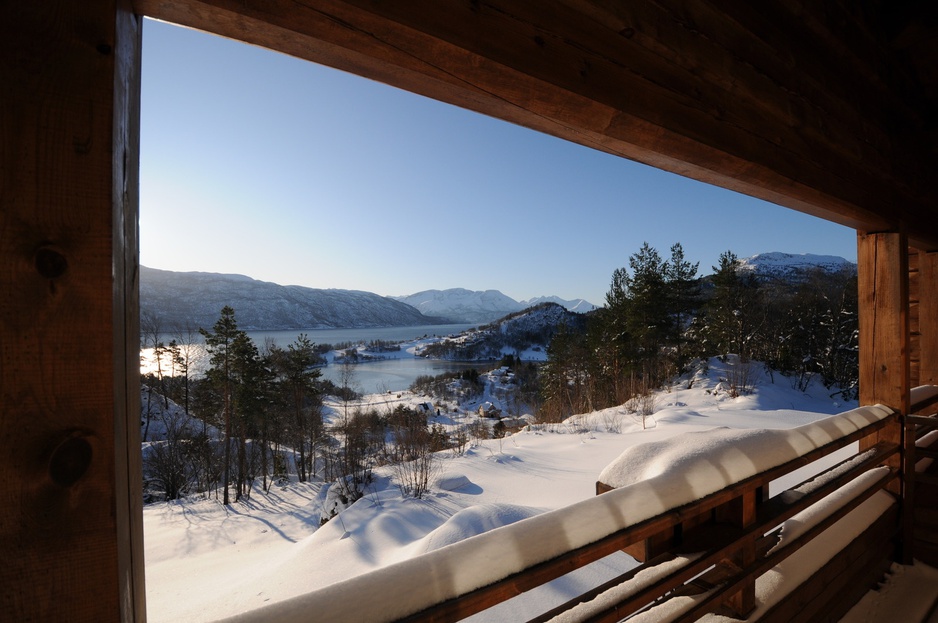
(514,334)
(800,320)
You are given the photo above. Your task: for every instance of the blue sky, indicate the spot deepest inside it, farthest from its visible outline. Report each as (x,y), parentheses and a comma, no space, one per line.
(257,163)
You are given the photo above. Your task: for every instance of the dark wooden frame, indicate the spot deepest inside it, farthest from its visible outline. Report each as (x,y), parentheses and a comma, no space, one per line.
(809,105)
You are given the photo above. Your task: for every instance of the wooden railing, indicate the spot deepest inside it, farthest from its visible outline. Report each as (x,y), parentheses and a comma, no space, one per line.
(712,548)
(920,528)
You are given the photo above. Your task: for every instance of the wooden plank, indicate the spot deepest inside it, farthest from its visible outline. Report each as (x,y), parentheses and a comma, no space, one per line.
(69,442)
(125,266)
(721,541)
(882,273)
(769,516)
(883,297)
(742,512)
(915,345)
(765,563)
(928,319)
(692,88)
(830,592)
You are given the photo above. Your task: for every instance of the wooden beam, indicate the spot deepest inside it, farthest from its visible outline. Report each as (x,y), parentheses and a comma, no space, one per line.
(883,297)
(915,354)
(928,318)
(712,91)
(883,293)
(70,499)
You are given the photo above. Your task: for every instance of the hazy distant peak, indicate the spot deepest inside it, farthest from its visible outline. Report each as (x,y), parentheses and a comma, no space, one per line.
(579,306)
(179,299)
(783,264)
(462,305)
(479,306)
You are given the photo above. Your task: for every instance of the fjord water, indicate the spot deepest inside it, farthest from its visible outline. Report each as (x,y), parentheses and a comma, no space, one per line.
(338,336)
(373,377)
(376,377)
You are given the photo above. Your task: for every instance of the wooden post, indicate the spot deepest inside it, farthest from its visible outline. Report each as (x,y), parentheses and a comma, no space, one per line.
(928,318)
(883,288)
(741,512)
(70,500)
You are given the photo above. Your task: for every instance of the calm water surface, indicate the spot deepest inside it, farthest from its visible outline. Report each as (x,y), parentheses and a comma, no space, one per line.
(377,376)
(337,336)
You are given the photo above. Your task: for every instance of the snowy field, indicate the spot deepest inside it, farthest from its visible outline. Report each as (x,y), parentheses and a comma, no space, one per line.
(205,562)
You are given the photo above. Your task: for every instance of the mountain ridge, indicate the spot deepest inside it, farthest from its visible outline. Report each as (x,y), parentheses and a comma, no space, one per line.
(481,306)
(178,299)
(175,300)
(776,264)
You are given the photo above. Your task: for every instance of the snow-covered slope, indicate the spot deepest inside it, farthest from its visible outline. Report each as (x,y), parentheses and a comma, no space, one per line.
(195,298)
(205,561)
(477,306)
(791,265)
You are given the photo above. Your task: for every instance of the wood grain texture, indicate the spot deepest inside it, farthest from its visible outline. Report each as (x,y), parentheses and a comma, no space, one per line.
(885,372)
(69,490)
(928,319)
(714,91)
(883,291)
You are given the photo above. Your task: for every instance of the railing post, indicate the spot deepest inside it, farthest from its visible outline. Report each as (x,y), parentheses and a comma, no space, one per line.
(883,298)
(741,512)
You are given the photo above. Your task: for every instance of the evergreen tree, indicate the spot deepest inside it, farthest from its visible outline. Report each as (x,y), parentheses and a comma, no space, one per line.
(684,291)
(297,382)
(220,344)
(564,376)
(251,400)
(734,311)
(648,319)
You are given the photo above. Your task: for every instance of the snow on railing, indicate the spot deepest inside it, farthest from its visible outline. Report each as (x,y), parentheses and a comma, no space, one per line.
(692,465)
(653,479)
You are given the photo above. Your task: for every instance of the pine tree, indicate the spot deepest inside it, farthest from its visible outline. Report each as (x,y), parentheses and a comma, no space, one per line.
(648,319)
(251,389)
(297,376)
(220,344)
(684,294)
(734,310)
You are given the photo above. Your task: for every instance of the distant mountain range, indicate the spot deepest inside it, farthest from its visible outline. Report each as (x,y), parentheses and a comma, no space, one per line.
(468,306)
(792,266)
(180,299)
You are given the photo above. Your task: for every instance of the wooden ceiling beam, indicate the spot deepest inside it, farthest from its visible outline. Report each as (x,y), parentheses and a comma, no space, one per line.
(779,107)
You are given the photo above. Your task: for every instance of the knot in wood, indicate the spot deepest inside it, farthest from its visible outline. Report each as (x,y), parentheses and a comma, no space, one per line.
(50,263)
(70,460)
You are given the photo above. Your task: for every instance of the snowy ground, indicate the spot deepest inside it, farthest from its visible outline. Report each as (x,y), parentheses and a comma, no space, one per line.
(205,561)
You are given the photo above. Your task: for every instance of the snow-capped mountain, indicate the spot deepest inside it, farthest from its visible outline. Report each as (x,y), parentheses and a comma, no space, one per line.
(790,265)
(580,306)
(469,306)
(179,299)
(461,305)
